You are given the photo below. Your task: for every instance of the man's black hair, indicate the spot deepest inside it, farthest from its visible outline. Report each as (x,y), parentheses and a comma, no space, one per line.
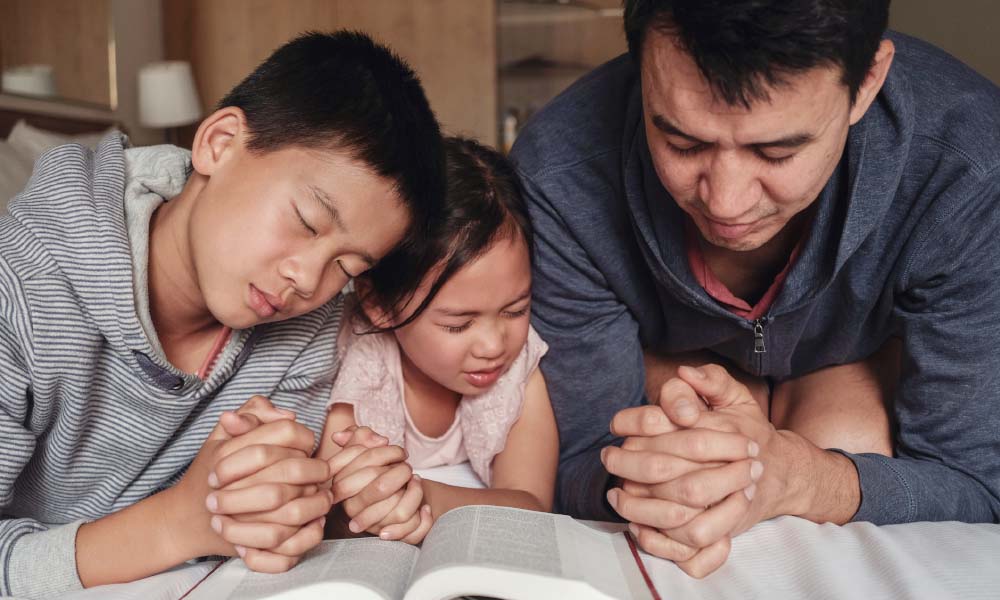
(743,47)
(343,91)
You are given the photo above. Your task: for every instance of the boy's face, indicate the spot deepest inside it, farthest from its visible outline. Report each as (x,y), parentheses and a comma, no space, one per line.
(278,234)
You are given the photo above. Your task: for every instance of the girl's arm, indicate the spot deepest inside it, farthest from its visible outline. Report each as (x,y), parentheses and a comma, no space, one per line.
(524,474)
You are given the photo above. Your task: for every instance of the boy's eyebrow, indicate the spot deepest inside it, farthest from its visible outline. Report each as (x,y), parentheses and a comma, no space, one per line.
(331,207)
(790,141)
(472,313)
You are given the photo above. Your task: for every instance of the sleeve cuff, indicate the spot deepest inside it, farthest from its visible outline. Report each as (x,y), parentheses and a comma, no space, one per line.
(43,564)
(886,497)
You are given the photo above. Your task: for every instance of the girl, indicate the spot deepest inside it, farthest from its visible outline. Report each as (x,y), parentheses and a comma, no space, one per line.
(456,378)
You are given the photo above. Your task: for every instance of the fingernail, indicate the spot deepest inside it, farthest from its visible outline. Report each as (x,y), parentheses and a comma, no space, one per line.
(750,490)
(329,495)
(633,529)
(353,526)
(416,477)
(604,455)
(756,468)
(212,503)
(384,535)
(426,508)
(696,372)
(686,411)
(753,449)
(322,522)
(213,480)
(613,497)
(241,551)
(217,524)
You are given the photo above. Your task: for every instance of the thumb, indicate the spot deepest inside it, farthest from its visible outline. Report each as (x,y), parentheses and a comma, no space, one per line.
(264,410)
(232,424)
(716,386)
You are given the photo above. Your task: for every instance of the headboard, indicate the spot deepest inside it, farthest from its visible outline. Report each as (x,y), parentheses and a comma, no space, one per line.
(61,124)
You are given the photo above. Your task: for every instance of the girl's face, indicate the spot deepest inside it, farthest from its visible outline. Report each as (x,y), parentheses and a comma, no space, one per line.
(476,325)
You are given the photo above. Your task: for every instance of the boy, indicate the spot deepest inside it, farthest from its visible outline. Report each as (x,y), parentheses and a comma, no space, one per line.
(145,292)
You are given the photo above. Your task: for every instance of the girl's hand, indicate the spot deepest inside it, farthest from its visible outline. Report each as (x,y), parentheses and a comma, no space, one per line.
(403,516)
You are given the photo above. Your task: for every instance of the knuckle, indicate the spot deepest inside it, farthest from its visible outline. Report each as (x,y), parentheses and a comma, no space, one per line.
(690,491)
(684,552)
(271,537)
(700,535)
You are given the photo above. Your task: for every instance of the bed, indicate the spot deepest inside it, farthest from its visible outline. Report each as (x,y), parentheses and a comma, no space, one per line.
(27,131)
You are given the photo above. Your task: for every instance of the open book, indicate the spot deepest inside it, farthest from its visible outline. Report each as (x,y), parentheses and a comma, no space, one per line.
(489,551)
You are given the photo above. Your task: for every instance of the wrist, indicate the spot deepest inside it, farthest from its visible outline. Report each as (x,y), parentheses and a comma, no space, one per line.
(178,528)
(820,485)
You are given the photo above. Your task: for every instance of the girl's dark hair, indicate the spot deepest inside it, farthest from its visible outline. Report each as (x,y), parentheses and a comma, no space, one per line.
(483,205)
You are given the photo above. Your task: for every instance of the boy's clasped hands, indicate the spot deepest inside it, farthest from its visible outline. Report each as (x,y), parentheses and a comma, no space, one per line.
(255,490)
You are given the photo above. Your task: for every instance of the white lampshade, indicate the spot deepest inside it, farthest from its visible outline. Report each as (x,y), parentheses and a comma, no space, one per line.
(167,96)
(30,80)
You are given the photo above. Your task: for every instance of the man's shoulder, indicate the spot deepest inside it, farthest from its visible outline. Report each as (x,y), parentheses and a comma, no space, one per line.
(955,110)
(584,123)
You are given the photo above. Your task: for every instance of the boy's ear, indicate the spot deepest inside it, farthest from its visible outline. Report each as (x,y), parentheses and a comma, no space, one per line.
(366,299)
(218,136)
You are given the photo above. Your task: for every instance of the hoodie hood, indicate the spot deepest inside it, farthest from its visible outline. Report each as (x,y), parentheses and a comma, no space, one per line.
(75,206)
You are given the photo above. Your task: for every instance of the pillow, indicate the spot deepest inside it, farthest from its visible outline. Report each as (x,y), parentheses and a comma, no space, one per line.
(31,142)
(14,174)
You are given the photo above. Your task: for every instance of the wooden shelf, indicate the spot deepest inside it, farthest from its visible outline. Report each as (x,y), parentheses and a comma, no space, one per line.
(519,13)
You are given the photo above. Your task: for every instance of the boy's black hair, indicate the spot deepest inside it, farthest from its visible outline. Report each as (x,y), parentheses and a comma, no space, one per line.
(343,91)
(483,205)
(742,47)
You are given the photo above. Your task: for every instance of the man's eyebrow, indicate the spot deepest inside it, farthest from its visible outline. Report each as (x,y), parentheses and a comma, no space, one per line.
(791,141)
(669,128)
(331,207)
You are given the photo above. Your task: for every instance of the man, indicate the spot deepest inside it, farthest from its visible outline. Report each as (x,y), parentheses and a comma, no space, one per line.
(779,188)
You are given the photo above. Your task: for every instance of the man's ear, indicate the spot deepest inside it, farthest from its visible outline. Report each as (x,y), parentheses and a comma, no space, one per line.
(375,314)
(218,136)
(873,81)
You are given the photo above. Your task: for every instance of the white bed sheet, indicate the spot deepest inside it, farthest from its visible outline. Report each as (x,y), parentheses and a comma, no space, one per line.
(785,558)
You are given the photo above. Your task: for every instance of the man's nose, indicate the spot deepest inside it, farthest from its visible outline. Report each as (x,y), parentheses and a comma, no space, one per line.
(729,188)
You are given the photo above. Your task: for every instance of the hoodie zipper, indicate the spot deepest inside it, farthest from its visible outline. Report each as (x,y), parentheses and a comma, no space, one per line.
(759,347)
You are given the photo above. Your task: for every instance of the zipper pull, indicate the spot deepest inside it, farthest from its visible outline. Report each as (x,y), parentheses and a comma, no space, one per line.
(758,337)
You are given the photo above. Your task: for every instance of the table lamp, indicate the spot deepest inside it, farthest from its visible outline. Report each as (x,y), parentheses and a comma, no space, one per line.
(167,97)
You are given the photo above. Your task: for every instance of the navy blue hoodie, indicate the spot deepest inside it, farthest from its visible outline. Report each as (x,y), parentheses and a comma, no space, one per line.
(905,243)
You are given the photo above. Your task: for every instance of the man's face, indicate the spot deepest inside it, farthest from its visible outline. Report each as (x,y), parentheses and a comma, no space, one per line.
(277,234)
(740,174)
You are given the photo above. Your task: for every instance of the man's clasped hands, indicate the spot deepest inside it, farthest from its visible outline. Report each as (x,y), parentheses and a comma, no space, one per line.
(256,490)
(699,467)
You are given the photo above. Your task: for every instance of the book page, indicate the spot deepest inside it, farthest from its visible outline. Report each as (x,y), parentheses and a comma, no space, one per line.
(524,541)
(517,539)
(379,566)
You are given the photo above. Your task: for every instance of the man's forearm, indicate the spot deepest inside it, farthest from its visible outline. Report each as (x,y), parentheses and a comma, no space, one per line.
(816,484)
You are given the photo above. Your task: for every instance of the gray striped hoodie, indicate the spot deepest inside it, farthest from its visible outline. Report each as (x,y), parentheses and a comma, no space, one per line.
(92,416)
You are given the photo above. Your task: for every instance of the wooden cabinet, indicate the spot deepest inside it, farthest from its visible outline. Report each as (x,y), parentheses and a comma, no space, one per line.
(478,59)
(450,43)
